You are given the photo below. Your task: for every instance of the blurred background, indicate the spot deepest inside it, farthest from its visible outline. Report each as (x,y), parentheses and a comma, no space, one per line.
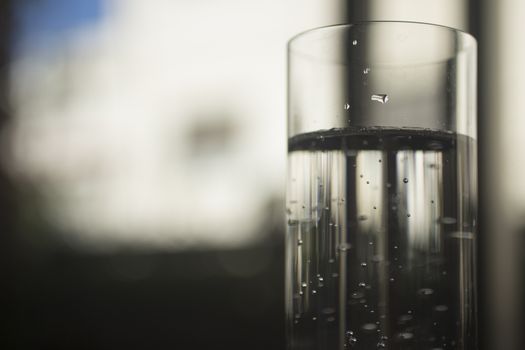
(142,166)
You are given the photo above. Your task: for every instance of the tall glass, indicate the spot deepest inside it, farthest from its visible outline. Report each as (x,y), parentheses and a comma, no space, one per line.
(381,188)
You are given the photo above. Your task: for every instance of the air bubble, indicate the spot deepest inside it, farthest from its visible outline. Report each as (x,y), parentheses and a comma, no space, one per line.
(357,295)
(405,336)
(448,220)
(351,340)
(405,180)
(381,344)
(304,285)
(369,327)
(346,106)
(354,42)
(366,70)
(404,319)
(462,235)
(441,308)
(382,98)
(362,217)
(377,259)
(300,242)
(425,291)
(363,264)
(362,284)
(392,279)
(328,311)
(344,247)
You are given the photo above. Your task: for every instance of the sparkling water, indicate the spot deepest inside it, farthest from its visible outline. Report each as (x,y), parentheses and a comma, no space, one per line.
(381,240)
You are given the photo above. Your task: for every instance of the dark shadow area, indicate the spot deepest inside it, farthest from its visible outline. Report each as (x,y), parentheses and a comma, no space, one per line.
(146,301)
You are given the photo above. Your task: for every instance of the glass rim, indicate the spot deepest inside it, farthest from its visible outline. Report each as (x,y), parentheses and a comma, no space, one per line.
(470,40)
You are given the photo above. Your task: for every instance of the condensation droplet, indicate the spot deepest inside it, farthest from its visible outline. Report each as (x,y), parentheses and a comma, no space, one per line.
(382,98)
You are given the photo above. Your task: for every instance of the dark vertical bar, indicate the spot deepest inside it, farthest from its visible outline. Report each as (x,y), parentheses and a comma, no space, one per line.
(474,8)
(357,10)
(6,195)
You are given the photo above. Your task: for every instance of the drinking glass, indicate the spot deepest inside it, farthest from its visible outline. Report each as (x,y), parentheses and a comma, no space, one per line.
(381,188)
